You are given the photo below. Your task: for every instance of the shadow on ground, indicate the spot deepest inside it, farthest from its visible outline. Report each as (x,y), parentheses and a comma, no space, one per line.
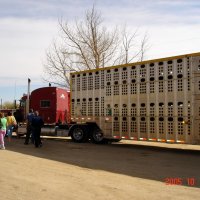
(144,162)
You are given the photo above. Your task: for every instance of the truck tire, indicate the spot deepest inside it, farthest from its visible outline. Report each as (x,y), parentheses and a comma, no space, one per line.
(78,134)
(97,136)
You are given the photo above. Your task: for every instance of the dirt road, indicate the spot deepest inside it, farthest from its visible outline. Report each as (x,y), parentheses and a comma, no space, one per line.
(62,170)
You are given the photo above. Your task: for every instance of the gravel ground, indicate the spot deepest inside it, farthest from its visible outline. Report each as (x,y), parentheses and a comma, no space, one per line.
(65,170)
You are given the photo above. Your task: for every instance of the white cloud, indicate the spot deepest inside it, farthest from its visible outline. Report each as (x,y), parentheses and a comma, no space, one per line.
(171,41)
(37,9)
(23,44)
(154,12)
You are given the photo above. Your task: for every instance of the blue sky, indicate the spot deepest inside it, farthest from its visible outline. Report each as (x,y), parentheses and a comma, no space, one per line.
(29,26)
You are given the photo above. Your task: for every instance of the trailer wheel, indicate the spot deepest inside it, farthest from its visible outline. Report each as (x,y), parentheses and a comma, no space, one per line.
(78,134)
(97,136)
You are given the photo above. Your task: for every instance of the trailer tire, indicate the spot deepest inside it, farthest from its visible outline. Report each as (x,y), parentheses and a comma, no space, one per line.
(97,136)
(78,134)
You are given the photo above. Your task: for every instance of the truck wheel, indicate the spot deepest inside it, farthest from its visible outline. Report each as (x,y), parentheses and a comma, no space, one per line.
(78,134)
(97,136)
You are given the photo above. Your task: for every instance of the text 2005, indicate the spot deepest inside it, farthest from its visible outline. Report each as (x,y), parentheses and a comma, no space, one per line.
(179,181)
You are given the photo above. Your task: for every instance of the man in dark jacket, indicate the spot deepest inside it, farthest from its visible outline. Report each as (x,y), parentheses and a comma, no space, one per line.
(29,131)
(37,123)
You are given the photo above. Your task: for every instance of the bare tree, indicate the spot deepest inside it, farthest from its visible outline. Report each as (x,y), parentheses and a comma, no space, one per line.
(91,44)
(88,45)
(144,46)
(55,67)
(132,47)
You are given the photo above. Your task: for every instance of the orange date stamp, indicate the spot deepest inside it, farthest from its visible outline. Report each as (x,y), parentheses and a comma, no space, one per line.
(180,181)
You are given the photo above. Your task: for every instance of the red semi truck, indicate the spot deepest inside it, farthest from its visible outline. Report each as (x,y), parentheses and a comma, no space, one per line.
(53,104)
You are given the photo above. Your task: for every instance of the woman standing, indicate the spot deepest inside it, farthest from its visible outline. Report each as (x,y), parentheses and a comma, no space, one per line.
(11,123)
(3,125)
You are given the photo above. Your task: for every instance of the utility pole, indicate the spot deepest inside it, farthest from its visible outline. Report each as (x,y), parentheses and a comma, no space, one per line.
(28,97)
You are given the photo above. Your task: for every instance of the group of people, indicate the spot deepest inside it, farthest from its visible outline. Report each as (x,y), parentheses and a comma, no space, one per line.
(34,124)
(33,128)
(7,125)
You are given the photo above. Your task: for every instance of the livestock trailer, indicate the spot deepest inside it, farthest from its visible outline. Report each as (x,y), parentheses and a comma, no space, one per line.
(153,100)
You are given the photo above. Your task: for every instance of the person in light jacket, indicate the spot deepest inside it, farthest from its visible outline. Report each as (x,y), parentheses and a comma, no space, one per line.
(3,125)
